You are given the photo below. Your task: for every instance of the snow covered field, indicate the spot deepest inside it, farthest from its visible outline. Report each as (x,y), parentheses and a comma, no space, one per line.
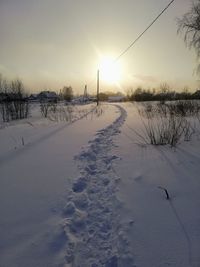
(163,232)
(84,193)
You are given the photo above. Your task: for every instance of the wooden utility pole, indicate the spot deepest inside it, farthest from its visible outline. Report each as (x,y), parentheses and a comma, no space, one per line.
(97,87)
(85,93)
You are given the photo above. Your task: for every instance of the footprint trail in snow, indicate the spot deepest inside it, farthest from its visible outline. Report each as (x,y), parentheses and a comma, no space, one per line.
(95,237)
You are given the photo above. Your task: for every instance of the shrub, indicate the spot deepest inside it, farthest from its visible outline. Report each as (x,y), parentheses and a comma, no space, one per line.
(14,104)
(167,124)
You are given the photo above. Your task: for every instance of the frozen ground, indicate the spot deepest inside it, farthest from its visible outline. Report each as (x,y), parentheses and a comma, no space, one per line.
(86,194)
(34,181)
(163,232)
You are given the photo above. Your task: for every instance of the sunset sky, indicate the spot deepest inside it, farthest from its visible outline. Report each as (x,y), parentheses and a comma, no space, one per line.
(52,43)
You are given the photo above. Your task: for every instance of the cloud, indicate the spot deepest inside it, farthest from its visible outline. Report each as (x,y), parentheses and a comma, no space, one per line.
(145,78)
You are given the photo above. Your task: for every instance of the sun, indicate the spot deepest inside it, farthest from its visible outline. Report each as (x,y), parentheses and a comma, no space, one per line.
(110,70)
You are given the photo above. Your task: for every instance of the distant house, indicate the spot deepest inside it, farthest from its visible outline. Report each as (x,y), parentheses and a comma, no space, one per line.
(116,98)
(48,96)
(83,100)
(33,97)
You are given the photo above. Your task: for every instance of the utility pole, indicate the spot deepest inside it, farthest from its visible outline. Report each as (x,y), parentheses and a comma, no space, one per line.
(85,93)
(97,87)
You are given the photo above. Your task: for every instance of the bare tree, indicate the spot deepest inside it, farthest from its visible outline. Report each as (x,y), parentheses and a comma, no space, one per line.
(67,93)
(4,86)
(189,24)
(13,100)
(164,88)
(20,105)
(46,107)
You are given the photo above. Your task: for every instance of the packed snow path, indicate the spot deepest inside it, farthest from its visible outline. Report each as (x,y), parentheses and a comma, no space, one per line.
(95,237)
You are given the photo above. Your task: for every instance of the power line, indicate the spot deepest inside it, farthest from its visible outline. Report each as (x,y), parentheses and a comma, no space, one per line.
(160,14)
(144,31)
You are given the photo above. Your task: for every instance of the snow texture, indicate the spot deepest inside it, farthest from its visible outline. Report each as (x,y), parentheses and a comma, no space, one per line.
(34,179)
(95,237)
(114,213)
(164,232)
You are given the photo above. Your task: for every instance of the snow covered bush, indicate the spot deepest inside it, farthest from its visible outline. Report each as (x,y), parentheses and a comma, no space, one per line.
(45,108)
(56,112)
(168,123)
(13,100)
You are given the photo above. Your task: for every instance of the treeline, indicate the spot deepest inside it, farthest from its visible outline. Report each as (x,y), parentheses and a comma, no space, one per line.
(104,96)
(164,93)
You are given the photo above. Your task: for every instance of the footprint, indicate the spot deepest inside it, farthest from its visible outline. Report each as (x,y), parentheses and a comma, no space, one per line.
(112,262)
(138,178)
(79,185)
(69,209)
(81,201)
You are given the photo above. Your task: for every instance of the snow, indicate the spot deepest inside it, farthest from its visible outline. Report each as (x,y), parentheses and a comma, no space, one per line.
(164,232)
(86,193)
(34,181)
(93,228)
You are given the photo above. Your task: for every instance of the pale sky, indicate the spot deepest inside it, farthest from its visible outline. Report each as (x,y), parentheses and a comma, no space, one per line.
(52,43)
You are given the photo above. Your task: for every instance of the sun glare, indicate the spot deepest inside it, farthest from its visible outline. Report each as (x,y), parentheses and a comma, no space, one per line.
(110,71)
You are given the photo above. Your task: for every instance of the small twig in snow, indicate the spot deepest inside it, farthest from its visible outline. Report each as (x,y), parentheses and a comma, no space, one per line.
(22,141)
(166,192)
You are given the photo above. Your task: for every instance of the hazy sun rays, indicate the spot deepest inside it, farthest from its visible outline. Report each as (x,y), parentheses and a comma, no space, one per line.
(110,70)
